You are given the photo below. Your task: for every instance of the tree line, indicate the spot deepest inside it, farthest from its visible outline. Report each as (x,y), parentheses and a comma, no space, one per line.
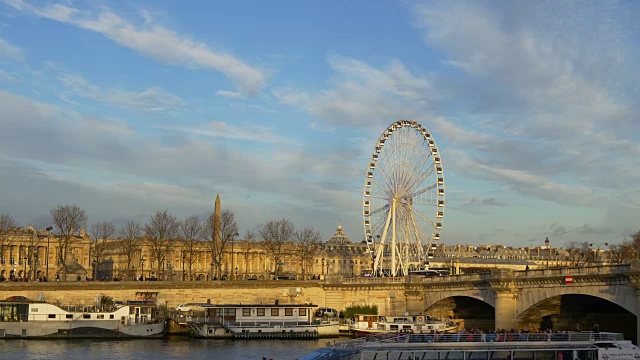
(163,232)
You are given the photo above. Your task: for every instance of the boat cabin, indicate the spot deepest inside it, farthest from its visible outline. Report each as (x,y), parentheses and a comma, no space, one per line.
(259,313)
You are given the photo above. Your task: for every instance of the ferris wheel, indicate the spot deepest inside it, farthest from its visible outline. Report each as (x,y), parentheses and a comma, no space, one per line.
(403,204)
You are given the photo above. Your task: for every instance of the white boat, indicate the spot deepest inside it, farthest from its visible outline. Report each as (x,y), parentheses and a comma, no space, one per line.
(248,321)
(38,319)
(494,346)
(380,324)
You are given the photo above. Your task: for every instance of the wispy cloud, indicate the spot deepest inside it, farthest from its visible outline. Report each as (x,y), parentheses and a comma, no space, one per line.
(362,94)
(230,94)
(153,99)
(153,40)
(10,51)
(221,129)
(9,76)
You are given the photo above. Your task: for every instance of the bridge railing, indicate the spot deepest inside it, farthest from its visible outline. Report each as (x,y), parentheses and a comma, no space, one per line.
(574,270)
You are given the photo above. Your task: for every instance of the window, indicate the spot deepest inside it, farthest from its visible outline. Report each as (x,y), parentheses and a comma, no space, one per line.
(52,316)
(302,312)
(111,316)
(275,312)
(86,316)
(246,312)
(288,312)
(260,311)
(69,316)
(100,316)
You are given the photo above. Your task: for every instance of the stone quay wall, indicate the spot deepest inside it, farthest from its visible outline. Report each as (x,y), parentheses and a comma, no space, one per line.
(389,300)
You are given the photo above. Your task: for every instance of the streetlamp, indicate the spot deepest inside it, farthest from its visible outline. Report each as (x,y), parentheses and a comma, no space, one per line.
(49,228)
(233,240)
(142,267)
(95,269)
(183,258)
(598,250)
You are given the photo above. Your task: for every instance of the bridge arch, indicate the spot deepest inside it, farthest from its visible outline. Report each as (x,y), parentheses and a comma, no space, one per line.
(578,312)
(472,312)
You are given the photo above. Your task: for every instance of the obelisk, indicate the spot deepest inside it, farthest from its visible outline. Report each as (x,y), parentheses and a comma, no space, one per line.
(216,235)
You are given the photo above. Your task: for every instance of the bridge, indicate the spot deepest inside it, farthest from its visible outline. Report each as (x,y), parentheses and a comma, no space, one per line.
(565,298)
(554,298)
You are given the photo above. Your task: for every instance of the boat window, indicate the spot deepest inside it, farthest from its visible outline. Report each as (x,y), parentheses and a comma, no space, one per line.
(100,316)
(302,312)
(482,355)
(69,316)
(275,311)
(111,316)
(260,311)
(52,316)
(86,316)
(246,312)
(288,312)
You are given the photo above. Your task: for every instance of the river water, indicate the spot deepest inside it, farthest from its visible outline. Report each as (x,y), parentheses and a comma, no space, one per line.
(168,348)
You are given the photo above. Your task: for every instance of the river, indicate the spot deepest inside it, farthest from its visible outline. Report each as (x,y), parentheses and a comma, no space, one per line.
(168,348)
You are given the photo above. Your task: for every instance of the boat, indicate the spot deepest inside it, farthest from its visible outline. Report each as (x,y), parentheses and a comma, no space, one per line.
(23,318)
(380,324)
(258,321)
(482,346)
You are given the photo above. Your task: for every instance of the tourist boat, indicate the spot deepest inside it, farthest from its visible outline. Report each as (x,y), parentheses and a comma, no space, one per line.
(380,324)
(249,321)
(506,346)
(25,318)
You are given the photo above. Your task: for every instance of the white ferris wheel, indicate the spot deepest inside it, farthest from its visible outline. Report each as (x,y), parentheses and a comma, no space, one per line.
(403,204)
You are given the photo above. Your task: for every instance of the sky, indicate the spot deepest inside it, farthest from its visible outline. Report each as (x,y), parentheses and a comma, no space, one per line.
(127,108)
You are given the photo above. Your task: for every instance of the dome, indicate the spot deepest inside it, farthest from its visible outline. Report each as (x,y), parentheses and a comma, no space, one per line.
(339,237)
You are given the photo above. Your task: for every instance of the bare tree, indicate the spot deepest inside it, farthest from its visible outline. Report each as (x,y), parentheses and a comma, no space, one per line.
(578,253)
(248,244)
(191,229)
(228,230)
(101,233)
(634,245)
(620,253)
(7,225)
(305,246)
(161,231)
(67,220)
(32,242)
(276,234)
(130,242)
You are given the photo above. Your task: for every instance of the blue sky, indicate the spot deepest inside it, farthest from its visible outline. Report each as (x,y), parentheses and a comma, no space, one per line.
(125,108)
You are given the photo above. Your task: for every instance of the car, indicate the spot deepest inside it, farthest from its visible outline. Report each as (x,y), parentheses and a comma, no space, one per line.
(183,308)
(326,312)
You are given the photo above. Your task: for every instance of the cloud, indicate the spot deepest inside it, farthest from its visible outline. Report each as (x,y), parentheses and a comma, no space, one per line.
(230,94)
(153,40)
(9,76)
(484,202)
(90,158)
(587,229)
(153,99)
(362,95)
(221,129)
(10,51)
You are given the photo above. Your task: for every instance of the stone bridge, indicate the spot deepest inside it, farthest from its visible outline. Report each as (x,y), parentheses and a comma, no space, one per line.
(558,298)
